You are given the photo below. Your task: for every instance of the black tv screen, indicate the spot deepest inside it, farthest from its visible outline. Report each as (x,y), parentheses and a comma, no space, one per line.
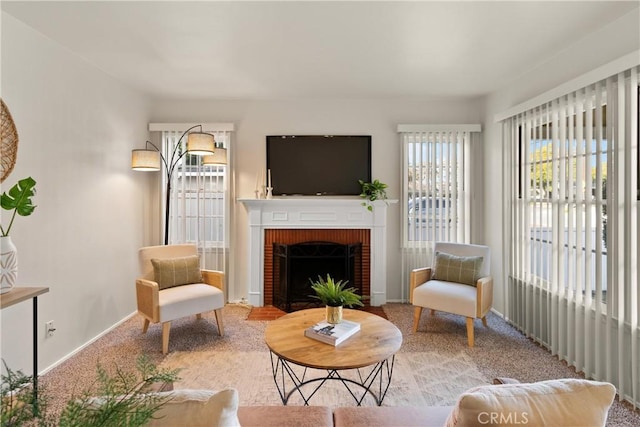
(318,164)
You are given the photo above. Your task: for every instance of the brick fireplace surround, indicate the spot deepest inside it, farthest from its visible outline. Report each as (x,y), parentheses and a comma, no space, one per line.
(297,219)
(292,236)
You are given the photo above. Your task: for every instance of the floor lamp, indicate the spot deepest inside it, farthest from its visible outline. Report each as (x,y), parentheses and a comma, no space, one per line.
(151,160)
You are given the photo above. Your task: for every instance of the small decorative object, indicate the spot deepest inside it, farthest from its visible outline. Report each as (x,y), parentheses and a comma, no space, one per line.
(334,296)
(19,201)
(9,148)
(372,191)
(269,195)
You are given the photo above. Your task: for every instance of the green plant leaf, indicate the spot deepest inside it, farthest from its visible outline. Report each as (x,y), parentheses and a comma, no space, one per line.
(19,197)
(18,200)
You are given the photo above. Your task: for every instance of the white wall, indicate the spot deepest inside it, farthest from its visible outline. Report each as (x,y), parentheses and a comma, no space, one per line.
(377,117)
(601,47)
(77,127)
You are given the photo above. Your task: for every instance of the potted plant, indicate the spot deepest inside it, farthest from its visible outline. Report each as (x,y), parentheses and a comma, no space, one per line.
(119,399)
(335,295)
(372,191)
(19,201)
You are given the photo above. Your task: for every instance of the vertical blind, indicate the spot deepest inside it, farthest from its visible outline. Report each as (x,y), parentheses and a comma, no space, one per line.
(573,228)
(436,182)
(199,201)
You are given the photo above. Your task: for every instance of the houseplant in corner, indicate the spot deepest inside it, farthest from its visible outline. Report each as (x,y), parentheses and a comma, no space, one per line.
(334,295)
(19,201)
(124,398)
(372,191)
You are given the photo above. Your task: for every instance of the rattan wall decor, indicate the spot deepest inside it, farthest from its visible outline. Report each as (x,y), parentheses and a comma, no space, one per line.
(9,148)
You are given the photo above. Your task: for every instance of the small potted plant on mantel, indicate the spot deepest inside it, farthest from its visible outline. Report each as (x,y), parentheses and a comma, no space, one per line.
(372,191)
(335,295)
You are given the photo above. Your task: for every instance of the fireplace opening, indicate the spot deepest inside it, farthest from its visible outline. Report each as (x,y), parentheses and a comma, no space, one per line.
(295,265)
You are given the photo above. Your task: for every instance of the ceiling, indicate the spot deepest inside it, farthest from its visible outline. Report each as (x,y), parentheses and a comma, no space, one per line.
(270,50)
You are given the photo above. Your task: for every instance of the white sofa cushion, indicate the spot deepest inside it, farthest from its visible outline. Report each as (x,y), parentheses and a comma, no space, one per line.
(563,402)
(186,300)
(447,296)
(198,408)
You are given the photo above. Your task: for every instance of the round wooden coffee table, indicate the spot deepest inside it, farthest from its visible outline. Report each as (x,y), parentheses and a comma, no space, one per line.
(371,352)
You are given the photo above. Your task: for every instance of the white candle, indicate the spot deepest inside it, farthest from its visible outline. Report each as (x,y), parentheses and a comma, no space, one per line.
(269,178)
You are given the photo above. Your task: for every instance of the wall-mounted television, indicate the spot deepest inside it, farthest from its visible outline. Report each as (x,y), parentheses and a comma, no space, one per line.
(318,165)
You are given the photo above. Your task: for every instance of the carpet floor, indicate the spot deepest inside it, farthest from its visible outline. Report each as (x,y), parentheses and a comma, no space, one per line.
(432,367)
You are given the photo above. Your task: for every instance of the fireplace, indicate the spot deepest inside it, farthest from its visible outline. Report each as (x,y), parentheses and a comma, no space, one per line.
(306,244)
(294,220)
(295,266)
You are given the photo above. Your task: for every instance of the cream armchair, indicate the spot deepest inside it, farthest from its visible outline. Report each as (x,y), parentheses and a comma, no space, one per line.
(162,305)
(451,297)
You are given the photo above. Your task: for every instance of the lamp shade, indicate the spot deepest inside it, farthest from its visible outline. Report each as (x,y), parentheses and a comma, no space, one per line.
(145,160)
(219,157)
(200,143)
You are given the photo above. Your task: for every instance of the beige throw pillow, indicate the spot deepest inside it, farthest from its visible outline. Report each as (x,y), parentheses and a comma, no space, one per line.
(172,272)
(458,269)
(564,402)
(198,408)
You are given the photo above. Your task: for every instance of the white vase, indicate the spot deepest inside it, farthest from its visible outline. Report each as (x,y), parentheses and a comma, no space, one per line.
(8,264)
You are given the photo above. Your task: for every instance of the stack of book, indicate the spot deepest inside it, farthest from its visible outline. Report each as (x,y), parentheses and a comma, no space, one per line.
(332,334)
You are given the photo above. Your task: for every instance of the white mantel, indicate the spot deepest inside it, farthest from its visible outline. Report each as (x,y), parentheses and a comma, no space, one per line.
(316,212)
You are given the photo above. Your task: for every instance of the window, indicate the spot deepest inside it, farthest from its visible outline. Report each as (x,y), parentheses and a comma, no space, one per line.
(199,199)
(436,183)
(572,231)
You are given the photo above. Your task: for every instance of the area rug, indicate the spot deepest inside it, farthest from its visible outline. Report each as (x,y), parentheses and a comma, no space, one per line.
(419,378)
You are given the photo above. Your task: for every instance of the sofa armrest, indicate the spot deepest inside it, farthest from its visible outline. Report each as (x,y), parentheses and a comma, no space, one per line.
(484,298)
(505,380)
(417,278)
(214,278)
(148,299)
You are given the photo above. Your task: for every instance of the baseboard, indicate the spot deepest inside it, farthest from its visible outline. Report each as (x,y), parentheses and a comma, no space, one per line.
(87,344)
(497,313)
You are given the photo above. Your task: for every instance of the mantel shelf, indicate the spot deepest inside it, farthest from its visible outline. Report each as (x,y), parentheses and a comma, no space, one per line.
(314,200)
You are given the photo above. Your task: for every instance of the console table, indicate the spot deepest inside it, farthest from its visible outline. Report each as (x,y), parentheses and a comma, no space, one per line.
(18,295)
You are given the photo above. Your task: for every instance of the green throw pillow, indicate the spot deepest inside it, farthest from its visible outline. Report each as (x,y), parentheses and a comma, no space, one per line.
(176,271)
(458,269)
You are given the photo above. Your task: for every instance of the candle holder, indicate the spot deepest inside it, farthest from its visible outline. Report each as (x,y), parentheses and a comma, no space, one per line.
(269,193)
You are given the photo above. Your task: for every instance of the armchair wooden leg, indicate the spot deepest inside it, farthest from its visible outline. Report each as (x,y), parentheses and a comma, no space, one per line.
(166,327)
(218,314)
(470,331)
(145,326)
(484,321)
(417,312)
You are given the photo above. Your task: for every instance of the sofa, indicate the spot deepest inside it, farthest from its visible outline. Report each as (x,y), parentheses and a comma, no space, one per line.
(562,402)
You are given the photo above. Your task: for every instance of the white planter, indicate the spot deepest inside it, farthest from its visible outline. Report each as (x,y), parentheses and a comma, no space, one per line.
(8,264)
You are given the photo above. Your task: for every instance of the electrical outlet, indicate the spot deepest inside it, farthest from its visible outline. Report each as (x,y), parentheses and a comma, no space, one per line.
(49,328)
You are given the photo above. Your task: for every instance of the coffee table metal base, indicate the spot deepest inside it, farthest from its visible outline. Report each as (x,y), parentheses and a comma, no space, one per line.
(372,380)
